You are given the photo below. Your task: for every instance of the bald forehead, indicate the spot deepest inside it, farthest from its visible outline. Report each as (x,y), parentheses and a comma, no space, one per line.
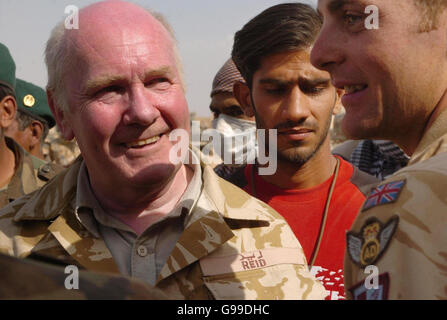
(111,19)
(111,12)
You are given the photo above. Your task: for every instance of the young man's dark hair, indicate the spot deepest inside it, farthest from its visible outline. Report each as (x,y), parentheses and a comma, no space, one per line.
(281,28)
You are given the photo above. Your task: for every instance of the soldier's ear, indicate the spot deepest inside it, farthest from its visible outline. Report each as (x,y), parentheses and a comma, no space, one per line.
(61,117)
(36,128)
(242,94)
(8,110)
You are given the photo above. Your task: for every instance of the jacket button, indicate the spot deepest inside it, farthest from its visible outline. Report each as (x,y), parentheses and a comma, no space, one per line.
(142,251)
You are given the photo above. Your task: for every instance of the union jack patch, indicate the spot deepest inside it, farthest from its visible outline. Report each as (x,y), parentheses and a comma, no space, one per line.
(387,193)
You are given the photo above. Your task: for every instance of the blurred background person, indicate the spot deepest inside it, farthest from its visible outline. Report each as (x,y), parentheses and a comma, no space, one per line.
(34,127)
(20,172)
(230,122)
(379,158)
(33,119)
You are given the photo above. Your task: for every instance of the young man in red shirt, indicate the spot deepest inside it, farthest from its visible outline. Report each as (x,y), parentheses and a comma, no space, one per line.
(317,193)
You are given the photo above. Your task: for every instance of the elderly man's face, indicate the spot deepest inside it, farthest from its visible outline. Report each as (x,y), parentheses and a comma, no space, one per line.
(125,97)
(393,75)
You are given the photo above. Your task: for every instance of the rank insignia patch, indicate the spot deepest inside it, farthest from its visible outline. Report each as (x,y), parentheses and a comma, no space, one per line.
(361,292)
(367,247)
(387,193)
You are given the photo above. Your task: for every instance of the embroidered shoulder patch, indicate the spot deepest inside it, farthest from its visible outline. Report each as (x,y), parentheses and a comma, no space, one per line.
(369,245)
(384,194)
(361,292)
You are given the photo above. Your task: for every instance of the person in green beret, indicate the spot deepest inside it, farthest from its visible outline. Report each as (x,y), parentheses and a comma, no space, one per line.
(20,172)
(33,119)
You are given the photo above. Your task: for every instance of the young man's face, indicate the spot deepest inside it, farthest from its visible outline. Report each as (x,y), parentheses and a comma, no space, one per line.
(393,76)
(292,96)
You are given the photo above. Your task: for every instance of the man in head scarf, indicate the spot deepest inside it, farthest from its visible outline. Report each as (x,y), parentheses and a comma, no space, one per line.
(231,122)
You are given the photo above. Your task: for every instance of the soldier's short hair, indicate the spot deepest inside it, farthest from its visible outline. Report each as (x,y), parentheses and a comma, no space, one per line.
(24,120)
(285,27)
(430,11)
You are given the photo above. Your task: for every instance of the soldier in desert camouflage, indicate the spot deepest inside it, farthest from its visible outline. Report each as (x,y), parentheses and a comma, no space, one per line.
(395,77)
(124,207)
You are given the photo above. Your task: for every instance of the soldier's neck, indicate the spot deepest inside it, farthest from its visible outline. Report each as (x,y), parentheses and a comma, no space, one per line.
(7,163)
(409,142)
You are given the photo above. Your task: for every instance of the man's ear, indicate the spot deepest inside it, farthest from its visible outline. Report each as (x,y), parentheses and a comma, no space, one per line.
(338,106)
(61,118)
(8,110)
(242,94)
(36,128)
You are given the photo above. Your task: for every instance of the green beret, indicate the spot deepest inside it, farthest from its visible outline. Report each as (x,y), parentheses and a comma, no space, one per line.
(32,100)
(7,68)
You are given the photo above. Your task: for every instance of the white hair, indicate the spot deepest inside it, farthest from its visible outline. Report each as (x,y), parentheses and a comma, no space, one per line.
(60,59)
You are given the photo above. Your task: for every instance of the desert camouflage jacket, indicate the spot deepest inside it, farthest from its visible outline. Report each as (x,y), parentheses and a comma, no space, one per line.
(233,245)
(401,229)
(29,279)
(31,173)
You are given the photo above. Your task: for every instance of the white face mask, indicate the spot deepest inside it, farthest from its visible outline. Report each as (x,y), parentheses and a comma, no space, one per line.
(238,139)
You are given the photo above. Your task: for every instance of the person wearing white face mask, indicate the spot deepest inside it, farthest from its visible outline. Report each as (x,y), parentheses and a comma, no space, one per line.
(237,131)
(238,140)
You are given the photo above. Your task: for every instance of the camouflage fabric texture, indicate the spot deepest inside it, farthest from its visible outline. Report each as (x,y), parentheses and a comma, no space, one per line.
(58,150)
(32,280)
(405,236)
(233,246)
(31,173)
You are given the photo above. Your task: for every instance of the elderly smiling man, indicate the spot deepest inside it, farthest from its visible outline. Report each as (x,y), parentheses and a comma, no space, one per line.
(115,85)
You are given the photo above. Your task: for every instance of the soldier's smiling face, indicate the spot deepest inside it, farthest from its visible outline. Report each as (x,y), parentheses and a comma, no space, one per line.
(393,76)
(125,96)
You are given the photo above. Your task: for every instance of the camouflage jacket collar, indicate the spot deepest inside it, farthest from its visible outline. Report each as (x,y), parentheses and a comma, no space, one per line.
(53,199)
(433,142)
(216,214)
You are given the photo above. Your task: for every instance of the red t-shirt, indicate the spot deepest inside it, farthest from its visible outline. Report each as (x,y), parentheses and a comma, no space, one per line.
(303,210)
